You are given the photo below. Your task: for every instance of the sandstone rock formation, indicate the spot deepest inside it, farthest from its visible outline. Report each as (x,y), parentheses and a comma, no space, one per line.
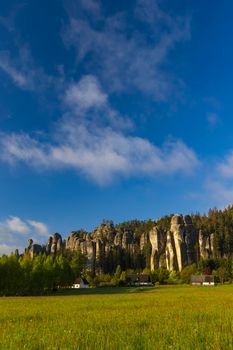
(54,244)
(178,231)
(171,257)
(33,249)
(144,240)
(182,243)
(174,249)
(205,245)
(158,243)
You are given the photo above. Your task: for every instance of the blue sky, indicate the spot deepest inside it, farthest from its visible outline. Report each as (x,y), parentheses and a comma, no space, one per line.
(112,110)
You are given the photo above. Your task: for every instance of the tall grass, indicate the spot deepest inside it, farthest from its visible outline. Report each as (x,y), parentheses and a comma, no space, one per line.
(157,318)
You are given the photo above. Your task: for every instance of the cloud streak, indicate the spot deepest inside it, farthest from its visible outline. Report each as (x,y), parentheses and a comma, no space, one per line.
(14,231)
(101,147)
(39,227)
(127,58)
(23,72)
(7,66)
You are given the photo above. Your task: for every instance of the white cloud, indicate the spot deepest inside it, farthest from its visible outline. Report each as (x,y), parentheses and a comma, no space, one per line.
(126,57)
(14,233)
(86,94)
(14,224)
(6,249)
(97,145)
(218,181)
(219,191)
(99,153)
(86,100)
(225,167)
(219,184)
(40,227)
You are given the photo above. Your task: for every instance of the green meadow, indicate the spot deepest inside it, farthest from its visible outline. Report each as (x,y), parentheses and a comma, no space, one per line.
(177,317)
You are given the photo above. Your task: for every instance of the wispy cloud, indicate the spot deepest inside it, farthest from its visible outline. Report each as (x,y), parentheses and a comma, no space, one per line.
(40,227)
(213,119)
(101,154)
(96,148)
(92,6)
(127,58)
(9,21)
(8,249)
(14,224)
(225,167)
(7,66)
(219,191)
(85,95)
(218,181)
(14,230)
(23,72)
(88,102)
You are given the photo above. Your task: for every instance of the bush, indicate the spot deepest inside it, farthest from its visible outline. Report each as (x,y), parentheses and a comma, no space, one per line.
(160,275)
(174,278)
(187,272)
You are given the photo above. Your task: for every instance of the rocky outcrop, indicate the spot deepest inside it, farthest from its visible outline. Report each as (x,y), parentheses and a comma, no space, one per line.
(205,245)
(144,240)
(74,240)
(54,244)
(157,239)
(176,248)
(179,234)
(182,243)
(33,249)
(88,249)
(171,257)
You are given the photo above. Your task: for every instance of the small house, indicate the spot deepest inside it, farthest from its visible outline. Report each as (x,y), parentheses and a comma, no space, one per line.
(138,280)
(80,282)
(202,280)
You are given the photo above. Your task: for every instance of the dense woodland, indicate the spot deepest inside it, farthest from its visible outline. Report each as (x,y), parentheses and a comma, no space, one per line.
(21,275)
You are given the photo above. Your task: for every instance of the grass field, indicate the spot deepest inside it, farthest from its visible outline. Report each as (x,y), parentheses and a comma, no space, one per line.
(181,317)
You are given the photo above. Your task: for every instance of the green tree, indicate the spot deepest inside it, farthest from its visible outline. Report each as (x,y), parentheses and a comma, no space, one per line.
(78,263)
(187,272)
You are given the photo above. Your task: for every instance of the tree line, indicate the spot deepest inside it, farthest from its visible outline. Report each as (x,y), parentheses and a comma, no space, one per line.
(23,275)
(46,274)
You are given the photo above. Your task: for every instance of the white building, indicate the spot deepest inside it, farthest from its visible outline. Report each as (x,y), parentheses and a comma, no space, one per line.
(202,280)
(80,282)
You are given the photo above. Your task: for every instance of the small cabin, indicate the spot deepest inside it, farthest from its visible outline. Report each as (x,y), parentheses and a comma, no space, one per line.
(138,280)
(202,280)
(80,282)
